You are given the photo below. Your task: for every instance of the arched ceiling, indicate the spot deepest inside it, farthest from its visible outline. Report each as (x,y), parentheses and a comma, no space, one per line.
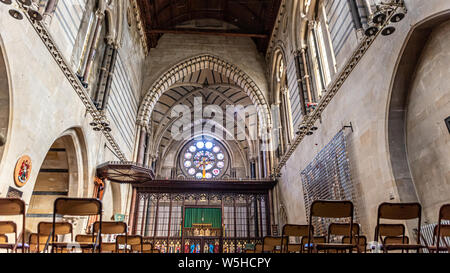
(249,18)
(214,89)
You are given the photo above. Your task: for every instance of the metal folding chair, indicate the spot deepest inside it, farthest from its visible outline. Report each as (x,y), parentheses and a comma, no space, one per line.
(110,228)
(331,209)
(13,207)
(399,211)
(290,230)
(271,242)
(47,229)
(130,240)
(79,207)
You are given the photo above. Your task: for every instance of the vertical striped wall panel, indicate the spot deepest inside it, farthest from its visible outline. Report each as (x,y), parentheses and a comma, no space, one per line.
(294,93)
(123,106)
(66,23)
(340,22)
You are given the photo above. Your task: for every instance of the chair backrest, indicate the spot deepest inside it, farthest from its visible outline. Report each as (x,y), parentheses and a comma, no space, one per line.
(391,230)
(290,230)
(77,206)
(61,228)
(111,227)
(130,240)
(444,232)
(83,238)
(14,206)
(3,239)
(258,248)
(146,247)
(11,206)
(393,240)
(399,211)
(331,209)
(294,248)
(33,242)
(444,212)
(7,227)
(271,242)
(295,230)
(341,229)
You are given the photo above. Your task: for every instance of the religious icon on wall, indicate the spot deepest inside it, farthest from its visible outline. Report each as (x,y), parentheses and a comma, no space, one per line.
(22,171)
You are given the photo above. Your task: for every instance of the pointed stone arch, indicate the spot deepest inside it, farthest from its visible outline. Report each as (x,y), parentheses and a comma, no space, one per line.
(194,64)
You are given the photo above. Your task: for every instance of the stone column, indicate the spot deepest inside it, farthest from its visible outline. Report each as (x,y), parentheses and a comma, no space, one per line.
(141,147)
(93,47)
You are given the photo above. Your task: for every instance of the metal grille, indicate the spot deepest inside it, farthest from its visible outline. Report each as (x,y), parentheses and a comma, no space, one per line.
(327,177)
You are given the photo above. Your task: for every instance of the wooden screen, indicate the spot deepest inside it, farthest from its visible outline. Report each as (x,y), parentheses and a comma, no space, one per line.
(159,218)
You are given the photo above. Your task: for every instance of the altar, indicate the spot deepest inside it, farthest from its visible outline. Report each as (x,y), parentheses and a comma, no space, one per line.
(202,230)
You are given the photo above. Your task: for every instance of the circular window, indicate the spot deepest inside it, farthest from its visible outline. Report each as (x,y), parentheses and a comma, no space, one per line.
(203,159)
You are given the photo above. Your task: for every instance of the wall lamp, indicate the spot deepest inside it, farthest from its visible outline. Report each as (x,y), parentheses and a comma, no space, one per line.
(385,10)
(27,5)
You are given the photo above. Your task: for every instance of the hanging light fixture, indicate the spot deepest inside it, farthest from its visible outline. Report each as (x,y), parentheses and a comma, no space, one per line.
(15,14)
(35,15)
(25,2)
(388,31)
(6,2)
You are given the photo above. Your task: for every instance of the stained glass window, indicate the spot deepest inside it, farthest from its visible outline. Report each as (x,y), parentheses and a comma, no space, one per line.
(204,158)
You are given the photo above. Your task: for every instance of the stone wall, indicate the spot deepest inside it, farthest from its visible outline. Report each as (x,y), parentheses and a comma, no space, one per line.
(363,100)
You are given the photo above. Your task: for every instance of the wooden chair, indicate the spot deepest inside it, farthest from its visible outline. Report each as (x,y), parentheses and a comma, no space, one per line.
(341,230)
(36,247)
(362,243)
(7,227)
(399,211)
(440,232)
(331,209)
(48,229)
(13,207)
(111,228)
(316,239)
(79,207)
(290,230)
(443,230)
(146,248)
(257,249)
(271,242)
(391,234)
(84,239)
(130,240)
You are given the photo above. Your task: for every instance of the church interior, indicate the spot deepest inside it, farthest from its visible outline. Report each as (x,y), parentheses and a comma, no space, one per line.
(224,126)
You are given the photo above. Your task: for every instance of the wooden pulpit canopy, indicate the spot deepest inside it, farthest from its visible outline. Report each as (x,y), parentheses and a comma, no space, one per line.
(125,172)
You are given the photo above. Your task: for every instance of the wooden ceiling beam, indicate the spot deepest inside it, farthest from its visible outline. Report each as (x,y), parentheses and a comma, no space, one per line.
(208,32)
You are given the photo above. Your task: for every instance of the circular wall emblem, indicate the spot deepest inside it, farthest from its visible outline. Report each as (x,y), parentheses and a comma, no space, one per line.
(22,171)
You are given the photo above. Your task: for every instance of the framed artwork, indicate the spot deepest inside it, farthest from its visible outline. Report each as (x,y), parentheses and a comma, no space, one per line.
(22,171)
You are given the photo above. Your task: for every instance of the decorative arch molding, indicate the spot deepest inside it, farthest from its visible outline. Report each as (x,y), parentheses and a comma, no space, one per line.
(194,64)
(400,88)
(279,54)
(6,97)
(79,179)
